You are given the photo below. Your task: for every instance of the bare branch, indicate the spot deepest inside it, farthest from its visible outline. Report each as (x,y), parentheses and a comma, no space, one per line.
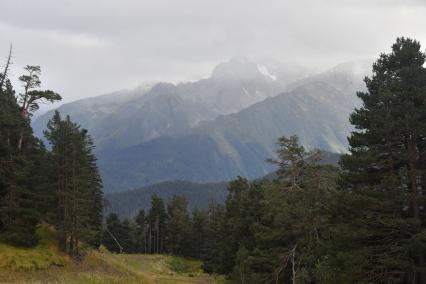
(6,68)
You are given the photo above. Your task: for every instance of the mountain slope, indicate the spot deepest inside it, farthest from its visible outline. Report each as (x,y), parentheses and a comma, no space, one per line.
(235,144)
(216,128)
(127,118)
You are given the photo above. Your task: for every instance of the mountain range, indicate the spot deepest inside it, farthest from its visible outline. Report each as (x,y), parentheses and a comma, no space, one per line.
(217,128)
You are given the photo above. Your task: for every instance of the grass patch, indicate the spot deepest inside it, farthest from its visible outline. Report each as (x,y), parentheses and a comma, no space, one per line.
(41,257)
(181,265)
(45,263)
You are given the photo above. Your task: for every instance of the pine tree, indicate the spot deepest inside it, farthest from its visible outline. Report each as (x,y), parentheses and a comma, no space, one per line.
(381,212)
(199,223)
(24,170)
(215,250)
(289,224)
(178,227)
(141,227)
(156,226)
(31,97)
(78,183)
(241,215)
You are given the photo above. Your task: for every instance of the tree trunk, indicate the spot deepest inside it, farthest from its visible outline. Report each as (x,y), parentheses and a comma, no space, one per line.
(413,177)
(6,69)
(150,240)
(293,253)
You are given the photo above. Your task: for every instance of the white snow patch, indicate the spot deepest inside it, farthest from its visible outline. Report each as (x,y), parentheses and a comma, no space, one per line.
(245,91)
(262,69)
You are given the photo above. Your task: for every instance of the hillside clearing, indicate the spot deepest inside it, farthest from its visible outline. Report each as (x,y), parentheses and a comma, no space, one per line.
(46,264)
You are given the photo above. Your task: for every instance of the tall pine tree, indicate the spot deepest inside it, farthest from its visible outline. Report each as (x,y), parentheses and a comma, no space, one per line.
(381,236)
(24,164)
(78,184)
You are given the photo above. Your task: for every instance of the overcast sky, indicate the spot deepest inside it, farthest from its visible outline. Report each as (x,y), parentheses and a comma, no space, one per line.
(91,47)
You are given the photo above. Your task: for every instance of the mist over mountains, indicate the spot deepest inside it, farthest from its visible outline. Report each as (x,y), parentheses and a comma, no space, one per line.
(217,128)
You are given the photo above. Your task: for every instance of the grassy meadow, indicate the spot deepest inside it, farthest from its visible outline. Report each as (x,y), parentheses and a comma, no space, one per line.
(46,264)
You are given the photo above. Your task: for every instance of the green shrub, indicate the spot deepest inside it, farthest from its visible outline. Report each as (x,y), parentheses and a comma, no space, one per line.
(179,265)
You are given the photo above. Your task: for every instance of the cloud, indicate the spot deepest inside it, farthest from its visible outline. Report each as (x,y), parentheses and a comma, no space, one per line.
(87,48)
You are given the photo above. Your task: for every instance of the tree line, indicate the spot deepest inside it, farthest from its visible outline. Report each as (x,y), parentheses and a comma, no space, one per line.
(361,222)
(61,186)
(168,227)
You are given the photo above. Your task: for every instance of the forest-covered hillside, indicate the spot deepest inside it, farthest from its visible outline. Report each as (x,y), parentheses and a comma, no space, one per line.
(198,195)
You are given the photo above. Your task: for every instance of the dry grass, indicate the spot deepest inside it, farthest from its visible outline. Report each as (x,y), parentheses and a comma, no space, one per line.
(166,269)
(46,264)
